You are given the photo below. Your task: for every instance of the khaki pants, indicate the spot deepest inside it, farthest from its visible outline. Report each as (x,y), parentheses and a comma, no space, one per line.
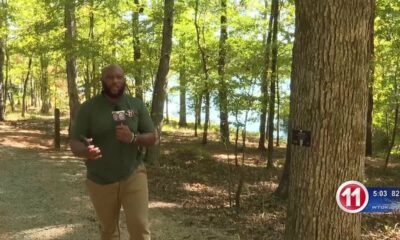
(132,195)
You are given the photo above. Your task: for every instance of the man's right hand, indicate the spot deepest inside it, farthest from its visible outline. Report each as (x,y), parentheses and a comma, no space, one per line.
(87,151)
(93,152)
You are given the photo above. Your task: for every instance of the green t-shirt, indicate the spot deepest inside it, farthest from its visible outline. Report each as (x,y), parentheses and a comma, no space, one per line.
(94,120)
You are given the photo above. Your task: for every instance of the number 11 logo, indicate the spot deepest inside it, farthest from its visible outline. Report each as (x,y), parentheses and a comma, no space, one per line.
(352,196)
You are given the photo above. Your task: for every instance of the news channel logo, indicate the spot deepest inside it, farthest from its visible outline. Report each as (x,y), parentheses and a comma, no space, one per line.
(354,197)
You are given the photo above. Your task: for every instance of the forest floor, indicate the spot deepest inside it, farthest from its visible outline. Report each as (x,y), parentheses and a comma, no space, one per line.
(42,192)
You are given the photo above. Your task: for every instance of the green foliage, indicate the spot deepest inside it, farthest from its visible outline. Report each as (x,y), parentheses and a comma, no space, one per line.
(387,69)
(36,29)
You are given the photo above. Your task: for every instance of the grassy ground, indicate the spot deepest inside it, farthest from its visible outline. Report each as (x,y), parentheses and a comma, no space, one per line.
(189,192)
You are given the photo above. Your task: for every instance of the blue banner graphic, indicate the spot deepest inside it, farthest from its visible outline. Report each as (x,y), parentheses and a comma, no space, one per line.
(383,200)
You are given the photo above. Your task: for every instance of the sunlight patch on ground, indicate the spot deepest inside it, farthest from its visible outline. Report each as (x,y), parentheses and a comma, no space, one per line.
(25,139)
(66,157)
(44,233)
(158,204)
(198,187)
(269,185)
(249,161)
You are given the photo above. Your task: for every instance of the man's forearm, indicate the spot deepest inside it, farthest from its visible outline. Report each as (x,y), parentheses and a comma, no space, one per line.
(146,139)
(78,148)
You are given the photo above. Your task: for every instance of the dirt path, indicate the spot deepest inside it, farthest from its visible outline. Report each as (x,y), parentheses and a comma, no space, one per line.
(42,195)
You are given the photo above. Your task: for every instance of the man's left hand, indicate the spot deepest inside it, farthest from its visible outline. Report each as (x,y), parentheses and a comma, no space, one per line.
(123,133)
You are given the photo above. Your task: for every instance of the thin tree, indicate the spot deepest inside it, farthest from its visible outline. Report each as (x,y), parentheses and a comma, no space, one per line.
(204,61)
(44,84)
(25,87)
(160,84)
(222,89)
(264,78)
(70,59)
(3,17)
(396,119)
(182,96)
(274,76)
(137,50)
(368,149)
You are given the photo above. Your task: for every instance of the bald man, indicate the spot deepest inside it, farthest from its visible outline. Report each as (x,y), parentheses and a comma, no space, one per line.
(107,133)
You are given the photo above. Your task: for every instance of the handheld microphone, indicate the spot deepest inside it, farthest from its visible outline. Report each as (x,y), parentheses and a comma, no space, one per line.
(118,115)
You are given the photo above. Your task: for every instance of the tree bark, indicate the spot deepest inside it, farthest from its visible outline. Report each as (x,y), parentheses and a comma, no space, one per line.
(204,62)
(197,112)
(182,97)
(137,51)
(278,105)
(206,117)
(396,120)
(2,106)
(32,92)
(274,74)
(283,187)
(3,18)
(70,37)
(6,84)
(395,129)
(87,79)
(223,91)
(330,91)
(199,106)
(160,84)
(25,87)
(94,81)
(44,85)
(264,81)
(166,109)
(368,149)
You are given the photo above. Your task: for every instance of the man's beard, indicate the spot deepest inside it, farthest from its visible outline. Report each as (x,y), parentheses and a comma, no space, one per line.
(108,92)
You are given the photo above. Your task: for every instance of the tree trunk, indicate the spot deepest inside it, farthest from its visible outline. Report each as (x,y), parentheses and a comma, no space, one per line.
(94,81)
(44,85)
(330,90)
(241,172)
(87,79)
(35,94)
(387,131)
(70,37)
(137,51)
(274,74)
(12,103)
(368,148)
(236,141)
(160,85)
(182,97)
(2,57)
(396,120)
(166,109)
(283,187)
(197,112)
(204,62)
(6,79)
(199,109)
(278,105)
(222,94)
(25,87)
(206,117)
(264,81)
(32,92)
(395,129)
(2,106)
